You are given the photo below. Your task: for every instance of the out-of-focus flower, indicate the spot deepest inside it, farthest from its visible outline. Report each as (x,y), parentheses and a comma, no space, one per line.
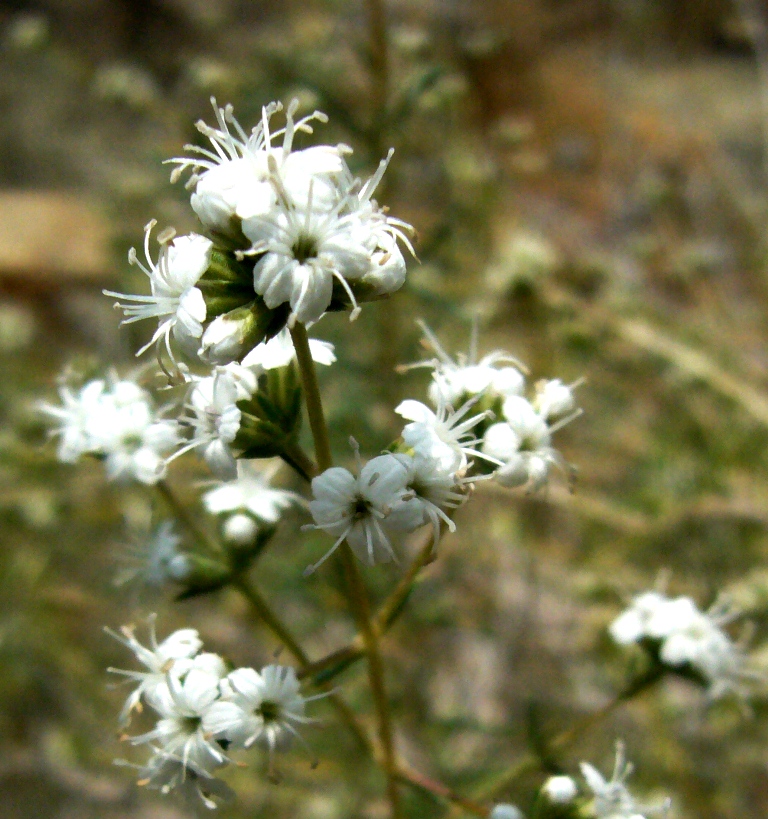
(612,800)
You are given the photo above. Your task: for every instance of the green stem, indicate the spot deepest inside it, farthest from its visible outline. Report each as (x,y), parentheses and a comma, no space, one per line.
(379,55)
(199,533)
(440,791)
(296,458)
(361,608)
(388,612)
(275,625)
(270,619)
(358,599)
(312,397)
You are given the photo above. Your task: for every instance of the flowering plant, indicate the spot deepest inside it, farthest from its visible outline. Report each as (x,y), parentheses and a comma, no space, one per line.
(290,235)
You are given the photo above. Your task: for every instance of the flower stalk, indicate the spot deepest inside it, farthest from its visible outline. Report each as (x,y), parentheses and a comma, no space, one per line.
(358,598)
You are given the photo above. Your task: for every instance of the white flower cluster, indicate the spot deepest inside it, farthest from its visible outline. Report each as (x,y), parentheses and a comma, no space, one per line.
(204,711)
(213,415)
(687,637)
(114,420)
(392,494)
(519,447)
(249,501)
(318,238)
(523,441)
(117,421)
(399,492)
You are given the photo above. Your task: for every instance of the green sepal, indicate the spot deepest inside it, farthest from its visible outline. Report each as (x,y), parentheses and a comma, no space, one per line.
(205,575)
(271,417)
(224,267)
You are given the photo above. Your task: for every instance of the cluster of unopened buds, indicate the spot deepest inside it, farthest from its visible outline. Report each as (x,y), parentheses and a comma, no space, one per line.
(205,711)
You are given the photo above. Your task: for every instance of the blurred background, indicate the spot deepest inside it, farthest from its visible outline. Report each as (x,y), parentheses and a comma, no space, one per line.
(590,178)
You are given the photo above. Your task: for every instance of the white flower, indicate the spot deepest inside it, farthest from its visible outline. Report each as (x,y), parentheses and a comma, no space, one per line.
(118,422)
(251,492)
(176,302)
(690,637)
(612,799)
(553,399)
(560,789)
(307,247)
(138,446)
(182,704)
(234,180)
(179,648)
(215,417)
(240,529)
(358,509)
(523,444)
(157,559)
(632,624)
(279,352)
(431,490)
(441,436)
(387,271)
(465,376)
(263,708)
(75,416)
(165,772)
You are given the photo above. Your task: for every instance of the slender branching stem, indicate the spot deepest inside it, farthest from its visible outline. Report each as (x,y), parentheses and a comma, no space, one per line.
(266,614)
(440,791)
(388,612)
(358,599)
(530,761)
(270,619)
(356,593)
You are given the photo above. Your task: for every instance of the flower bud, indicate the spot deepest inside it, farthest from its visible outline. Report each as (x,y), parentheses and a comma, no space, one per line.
(506,811)
(271,417)
(553,398)
(560,790)
(240,529)
(232,335)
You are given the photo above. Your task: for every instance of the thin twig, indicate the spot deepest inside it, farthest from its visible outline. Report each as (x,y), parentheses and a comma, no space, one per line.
(379,56)
(531,761)
(357,596)
(312,397)
(386,615)
(275,625)
(440,791)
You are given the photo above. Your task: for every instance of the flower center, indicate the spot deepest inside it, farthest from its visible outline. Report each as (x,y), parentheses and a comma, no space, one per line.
(191,724)
(305,247)
(360,509)
(132,442)
(269,711)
